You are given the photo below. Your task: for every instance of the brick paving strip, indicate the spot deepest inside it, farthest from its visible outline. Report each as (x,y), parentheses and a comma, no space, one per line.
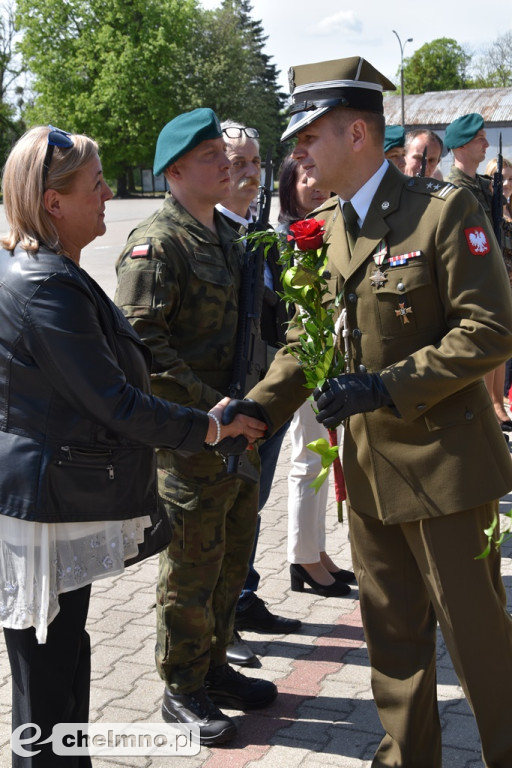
(304,682)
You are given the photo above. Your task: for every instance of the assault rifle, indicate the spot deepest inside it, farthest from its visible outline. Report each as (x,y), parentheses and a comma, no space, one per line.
(423,168)
(250,350)
(497,196)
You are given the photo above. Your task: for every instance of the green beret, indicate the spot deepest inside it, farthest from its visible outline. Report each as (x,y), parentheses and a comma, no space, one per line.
(463,130)
(184,133)
(394,136)
(317,88)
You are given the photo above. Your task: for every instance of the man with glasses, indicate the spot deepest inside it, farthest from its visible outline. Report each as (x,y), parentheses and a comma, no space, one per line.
(243,150)
(178,284)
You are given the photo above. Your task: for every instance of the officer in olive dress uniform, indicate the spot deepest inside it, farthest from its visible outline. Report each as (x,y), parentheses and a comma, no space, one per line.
(467,140)
(178,284)
(429,313)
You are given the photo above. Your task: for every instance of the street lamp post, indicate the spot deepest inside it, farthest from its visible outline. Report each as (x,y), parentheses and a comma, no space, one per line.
(409,40)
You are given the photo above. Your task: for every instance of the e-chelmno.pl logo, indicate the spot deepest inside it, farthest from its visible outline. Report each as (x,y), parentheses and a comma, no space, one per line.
(159,739)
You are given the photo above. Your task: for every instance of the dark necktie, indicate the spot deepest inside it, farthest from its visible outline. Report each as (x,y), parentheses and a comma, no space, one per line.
(351,225)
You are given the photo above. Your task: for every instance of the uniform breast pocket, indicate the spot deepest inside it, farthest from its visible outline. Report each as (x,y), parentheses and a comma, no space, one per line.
(405,301)
(213,291)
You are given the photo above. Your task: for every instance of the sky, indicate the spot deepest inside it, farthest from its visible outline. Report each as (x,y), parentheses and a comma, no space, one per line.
(302,32)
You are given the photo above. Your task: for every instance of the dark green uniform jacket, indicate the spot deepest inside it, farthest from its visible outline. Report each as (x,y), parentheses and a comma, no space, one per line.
(440,319)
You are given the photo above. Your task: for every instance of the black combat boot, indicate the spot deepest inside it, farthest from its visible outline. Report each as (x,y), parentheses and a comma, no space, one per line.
(231,689)
(198,708)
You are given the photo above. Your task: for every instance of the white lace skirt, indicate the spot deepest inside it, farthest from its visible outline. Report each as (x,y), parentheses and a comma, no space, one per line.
(38,561)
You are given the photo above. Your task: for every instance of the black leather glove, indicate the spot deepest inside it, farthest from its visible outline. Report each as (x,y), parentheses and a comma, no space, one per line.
(348,394)
(234,446)
(247,408)
(231,446)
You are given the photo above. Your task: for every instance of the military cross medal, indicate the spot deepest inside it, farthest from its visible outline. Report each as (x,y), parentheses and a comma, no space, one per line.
(403,311)
(378,279)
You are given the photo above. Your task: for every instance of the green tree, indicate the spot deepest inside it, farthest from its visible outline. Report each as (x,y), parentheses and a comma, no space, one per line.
(10,125)
(437,66)
(234,76)
(494,68)
(110,69)
(119,70)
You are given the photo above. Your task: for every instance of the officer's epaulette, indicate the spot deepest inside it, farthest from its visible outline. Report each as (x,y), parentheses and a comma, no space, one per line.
(428,186)
(328,205)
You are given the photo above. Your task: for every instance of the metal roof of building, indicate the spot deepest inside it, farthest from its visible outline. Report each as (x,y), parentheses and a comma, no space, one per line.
(438,108)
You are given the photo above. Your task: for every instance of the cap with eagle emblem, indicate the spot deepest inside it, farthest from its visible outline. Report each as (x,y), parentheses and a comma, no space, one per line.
(316,88)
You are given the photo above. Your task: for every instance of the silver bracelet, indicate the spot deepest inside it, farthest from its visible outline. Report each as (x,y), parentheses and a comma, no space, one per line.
(217,424)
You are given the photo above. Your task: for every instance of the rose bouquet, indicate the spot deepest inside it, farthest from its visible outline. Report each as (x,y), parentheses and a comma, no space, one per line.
(303,255)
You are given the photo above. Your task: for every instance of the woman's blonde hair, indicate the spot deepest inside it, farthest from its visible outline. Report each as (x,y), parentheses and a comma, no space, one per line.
(30,223)
(493,164)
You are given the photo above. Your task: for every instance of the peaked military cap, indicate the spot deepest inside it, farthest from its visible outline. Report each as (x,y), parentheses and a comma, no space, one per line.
(463,130)
(317,88)
(184,133)
(394,136)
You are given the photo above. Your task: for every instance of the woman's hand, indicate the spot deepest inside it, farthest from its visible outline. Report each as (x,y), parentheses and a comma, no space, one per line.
(240,424)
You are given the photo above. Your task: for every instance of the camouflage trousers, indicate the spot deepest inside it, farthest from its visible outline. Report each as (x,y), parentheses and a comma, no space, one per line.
(202,572)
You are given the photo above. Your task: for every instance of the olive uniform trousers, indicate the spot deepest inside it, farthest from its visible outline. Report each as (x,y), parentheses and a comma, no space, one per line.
(410,576)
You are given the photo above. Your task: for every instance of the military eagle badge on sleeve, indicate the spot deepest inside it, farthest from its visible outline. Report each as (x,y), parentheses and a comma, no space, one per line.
(477,241)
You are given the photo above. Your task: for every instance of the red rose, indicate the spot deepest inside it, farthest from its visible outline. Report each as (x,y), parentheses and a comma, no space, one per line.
(308,234)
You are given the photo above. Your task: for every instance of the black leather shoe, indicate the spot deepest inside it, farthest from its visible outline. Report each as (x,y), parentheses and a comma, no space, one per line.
(231,689)
(347,577)
(257,618)
(240,653)
(299,575)
(198,708)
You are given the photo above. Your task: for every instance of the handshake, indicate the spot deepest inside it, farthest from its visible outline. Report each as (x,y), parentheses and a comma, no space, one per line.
(235,425)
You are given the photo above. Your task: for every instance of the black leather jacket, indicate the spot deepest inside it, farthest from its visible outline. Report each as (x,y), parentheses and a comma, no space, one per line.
(78,425)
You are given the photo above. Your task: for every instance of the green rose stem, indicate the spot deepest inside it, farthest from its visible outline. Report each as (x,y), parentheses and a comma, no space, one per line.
(303,255)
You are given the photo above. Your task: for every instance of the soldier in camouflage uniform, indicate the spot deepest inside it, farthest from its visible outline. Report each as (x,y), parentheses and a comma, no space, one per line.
(467,140)
(178,284)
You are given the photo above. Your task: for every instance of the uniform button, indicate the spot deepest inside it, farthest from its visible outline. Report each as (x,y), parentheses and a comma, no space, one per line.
(352,298)
(469,415)
(400,287)
(421,407)
(362,368)
(356,333)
